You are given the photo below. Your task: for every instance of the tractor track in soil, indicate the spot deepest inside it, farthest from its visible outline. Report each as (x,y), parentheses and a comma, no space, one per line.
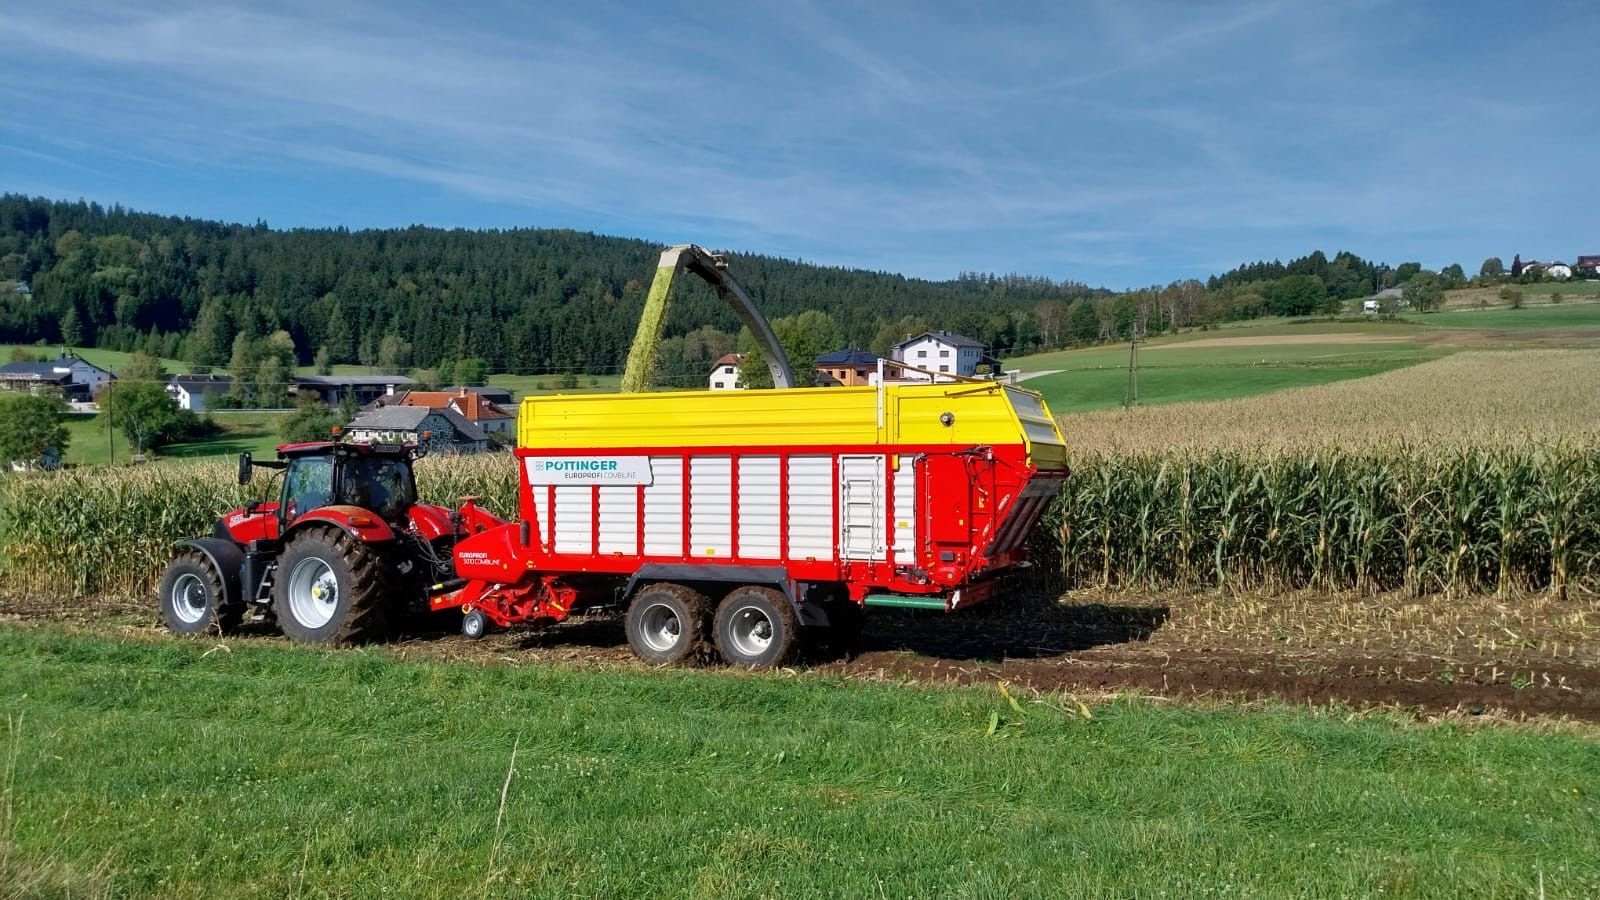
(1096,650)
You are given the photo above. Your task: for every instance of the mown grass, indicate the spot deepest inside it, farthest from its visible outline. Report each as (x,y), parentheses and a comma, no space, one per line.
(159,766)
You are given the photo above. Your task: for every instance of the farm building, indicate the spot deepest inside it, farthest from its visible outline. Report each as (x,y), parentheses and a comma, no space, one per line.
(473,407)
(73,377)
(332,389)
(854,368)
(440,430)
(196,393)
(1558,270)
(725,374)
(1588,266)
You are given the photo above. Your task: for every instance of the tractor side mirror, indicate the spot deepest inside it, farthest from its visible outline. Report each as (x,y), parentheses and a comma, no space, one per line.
(244,468)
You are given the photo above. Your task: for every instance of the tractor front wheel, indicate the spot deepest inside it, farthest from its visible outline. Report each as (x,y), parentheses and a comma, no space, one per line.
(329,589)
(193,600)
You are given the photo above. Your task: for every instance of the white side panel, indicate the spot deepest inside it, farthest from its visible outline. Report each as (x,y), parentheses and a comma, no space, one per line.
(862,519)
(811,524)
(619,519)
(541,517)
(758,507)
(905,511)
(574,518)
(663,508)
(710,507)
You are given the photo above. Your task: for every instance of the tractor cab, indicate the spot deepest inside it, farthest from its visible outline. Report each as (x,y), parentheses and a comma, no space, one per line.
(377,478)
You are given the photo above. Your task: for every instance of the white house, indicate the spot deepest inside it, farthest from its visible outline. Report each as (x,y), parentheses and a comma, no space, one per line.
(196,392)
(725,374)
(942,351)
(1558,270)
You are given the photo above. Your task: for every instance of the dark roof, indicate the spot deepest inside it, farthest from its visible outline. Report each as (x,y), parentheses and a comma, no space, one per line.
(488,392)
(849,356)
(351,380)
(202,384)
(409,418)
(43,371)
(1589,261)
(949,337)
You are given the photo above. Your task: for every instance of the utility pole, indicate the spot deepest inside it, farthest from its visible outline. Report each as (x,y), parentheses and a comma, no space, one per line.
(1131,395)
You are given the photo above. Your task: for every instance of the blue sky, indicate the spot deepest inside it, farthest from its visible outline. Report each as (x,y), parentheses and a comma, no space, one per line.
(1118,143)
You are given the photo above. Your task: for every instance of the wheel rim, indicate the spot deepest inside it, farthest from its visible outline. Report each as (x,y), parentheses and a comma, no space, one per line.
(750,630)
(473,624)
(313,593)
(188,599)
(660,628)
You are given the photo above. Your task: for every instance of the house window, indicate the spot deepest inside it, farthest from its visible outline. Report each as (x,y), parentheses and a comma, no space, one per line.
(727,370)
(717,385)
(944,354)
(922,354)
(861,373)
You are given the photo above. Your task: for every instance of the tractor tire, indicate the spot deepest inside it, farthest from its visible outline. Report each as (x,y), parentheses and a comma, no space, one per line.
(332,588)
(756,628)
(666,624)
(474,625)
(192,597)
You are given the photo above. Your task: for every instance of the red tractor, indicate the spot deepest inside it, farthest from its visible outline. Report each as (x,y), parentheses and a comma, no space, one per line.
(343,552)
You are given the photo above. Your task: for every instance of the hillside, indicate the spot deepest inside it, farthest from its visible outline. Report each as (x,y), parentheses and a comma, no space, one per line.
(526,300)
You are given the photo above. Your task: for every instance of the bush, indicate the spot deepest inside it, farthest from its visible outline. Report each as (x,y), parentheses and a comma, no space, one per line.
(1512,296)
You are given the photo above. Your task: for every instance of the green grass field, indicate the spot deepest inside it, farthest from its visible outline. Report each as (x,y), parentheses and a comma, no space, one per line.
(522,385)
(110,360)
(1172,372)
(1565,315)
(246,430)
(155,766)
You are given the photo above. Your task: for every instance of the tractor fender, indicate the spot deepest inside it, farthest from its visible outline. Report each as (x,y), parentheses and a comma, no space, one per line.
(359,523)
(432,522)
(694,575)
(224,556)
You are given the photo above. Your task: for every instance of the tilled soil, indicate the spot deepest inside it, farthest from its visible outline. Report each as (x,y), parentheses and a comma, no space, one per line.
(1098,649)
(1517,659)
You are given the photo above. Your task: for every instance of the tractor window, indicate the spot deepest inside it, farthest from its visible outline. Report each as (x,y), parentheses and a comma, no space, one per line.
(307,485)
(381,484)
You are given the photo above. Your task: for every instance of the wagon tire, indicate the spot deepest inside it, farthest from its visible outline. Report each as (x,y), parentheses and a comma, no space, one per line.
(331,588)
(666,624)
(474,625)
(756,628)
(193,599)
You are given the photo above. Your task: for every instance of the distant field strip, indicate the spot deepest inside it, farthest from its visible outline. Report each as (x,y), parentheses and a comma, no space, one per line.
(1503,398)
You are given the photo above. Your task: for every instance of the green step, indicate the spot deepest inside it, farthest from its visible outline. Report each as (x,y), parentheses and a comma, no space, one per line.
(904,602)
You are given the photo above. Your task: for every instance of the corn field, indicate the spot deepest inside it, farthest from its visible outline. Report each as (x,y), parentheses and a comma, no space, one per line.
(1455,521)
(1461,521)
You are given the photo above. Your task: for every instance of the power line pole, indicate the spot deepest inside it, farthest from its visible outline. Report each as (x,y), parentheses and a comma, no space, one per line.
(1131,395)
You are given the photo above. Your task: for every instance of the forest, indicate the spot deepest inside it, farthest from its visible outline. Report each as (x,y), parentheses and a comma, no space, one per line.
(537,301)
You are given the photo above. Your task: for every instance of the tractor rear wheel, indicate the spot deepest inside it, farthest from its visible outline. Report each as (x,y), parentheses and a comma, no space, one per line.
(756,628)
(330,589)
(666,623)
(193,600)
